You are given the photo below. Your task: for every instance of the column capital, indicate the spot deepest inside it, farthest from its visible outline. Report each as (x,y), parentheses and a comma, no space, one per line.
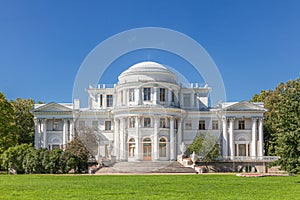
(261,119)
(36,121)
(231,119)
(254,119)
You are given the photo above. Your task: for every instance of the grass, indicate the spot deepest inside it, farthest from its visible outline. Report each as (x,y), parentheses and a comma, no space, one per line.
(147,187)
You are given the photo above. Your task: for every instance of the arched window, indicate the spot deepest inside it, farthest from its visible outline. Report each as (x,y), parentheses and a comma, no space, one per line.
(162,147)
(131,147)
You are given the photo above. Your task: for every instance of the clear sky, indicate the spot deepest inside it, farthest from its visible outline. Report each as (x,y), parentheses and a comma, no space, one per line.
(255,44)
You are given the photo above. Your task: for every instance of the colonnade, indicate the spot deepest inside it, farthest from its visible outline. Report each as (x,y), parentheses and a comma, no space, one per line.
(228,138)
(121,137)
(42,134)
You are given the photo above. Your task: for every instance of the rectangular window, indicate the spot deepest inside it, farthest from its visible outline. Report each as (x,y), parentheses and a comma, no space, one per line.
(147,94)
(81,125)
(241,124)
(162,123)
(173,97)
(109,100)
(188,125)
(107,125)
(131,94)
(162,94)
(95,125)
(131,122)
(101,100)
(215,125)
(201,125)
(55,125)
(186,100)
(147,122)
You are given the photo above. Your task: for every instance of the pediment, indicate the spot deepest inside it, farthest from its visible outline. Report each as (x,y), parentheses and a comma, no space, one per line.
(244,106)
(52,107)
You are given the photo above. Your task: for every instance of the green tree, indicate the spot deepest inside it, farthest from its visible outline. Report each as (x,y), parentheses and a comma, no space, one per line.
(8,134)
(13,157)
(75,157)
(205,146)
(23,120)
(282,124)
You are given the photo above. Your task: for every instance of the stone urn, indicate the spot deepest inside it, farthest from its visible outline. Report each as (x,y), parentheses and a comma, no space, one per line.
(194,158)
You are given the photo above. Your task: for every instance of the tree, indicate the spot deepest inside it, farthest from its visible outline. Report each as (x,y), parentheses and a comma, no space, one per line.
(282,124)
(13,157)
(205,145)
(75,157)
(8,134)
(23,120)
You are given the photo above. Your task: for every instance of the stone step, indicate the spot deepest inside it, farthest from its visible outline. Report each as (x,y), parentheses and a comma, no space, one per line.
(146,167)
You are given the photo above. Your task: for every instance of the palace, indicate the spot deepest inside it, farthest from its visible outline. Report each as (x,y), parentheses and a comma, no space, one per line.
(148,115)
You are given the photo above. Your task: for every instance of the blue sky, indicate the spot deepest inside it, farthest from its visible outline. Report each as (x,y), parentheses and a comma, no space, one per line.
(255,44)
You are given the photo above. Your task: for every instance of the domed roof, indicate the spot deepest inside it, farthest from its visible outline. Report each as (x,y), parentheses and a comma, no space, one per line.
(147,71)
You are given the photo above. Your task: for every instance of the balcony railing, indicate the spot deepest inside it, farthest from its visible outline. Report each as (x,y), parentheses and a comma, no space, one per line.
(249,158)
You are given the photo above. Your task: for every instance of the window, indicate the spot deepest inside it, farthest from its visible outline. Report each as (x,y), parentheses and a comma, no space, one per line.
(201,125)
(186,100)
(215,125)
(101,100)
(147,122)
(173,97)
(131,147)
(147,94)
(55,126)
(107,125)
(131,94)
(109,100)
(81,125)
(188,125)
(162,94)
(131,122)
(162,147)
(162,123)
(95,125)
(241,124)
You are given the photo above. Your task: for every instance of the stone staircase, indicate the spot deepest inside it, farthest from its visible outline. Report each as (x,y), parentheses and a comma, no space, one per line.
(146,167)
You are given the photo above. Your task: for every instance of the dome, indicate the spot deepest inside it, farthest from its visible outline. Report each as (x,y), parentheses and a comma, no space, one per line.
(147,71)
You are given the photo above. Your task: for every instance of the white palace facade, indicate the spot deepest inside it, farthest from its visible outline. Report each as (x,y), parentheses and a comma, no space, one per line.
(148,115)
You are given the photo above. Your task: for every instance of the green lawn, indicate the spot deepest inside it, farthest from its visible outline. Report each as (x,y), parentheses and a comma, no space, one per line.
(147,187)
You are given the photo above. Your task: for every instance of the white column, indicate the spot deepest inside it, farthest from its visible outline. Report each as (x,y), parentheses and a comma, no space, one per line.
(179,136)
(155,95)
(169,99)
(116,139)
(231,138)
(155,139)
(172,139)
(44,131)
(253,146)
(224,138)
(138,139)
(104,101)
(36,133)
(98,101)
(65,123)
(71,130)
(261,137)
(137,96)
(122,135)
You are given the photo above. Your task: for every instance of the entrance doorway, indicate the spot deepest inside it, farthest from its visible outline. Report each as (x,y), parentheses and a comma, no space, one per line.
(147,149)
